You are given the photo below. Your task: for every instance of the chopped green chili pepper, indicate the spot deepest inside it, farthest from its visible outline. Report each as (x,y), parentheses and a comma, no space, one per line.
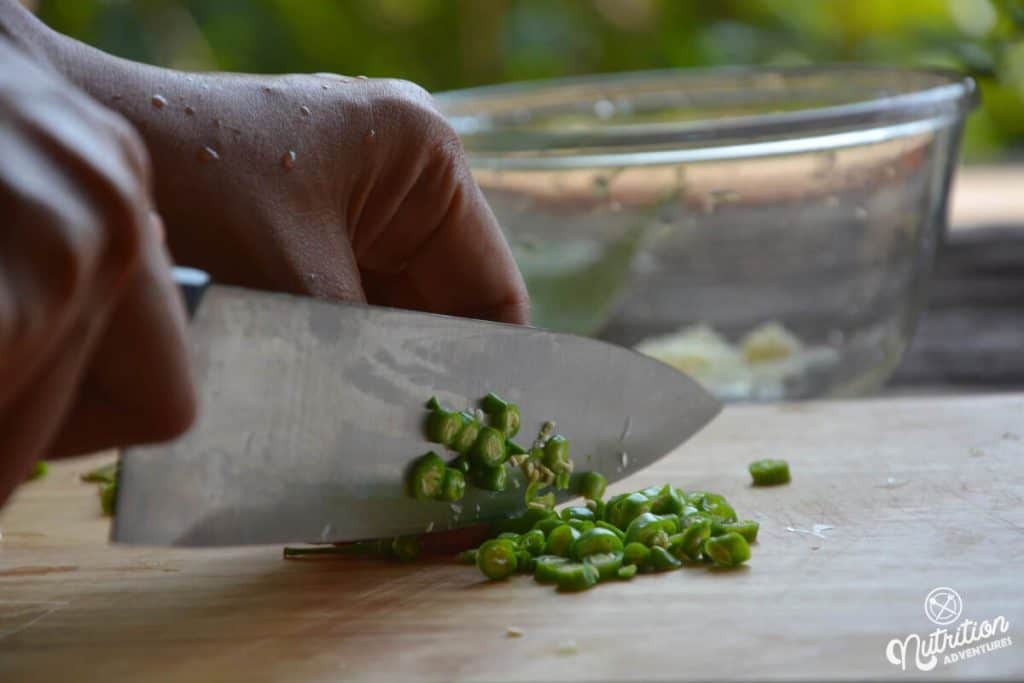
(688,543)
(108,498)
(594,541)
(562,481)
(626,572)
(427,476)
(491,478)
(591,485)
(489,448)
(612,528)
(546,570)
(525,562)
(575,576)
(636,553)
(560,540)
(717,506)
(514,449)
(667,502)
(545,502)
(662,559)
(492,403)
(580,525)
(606,564)
(453,486)
(496,559)
(728,550)
(509,536)
(467,556)
(597,507)
(39,469)
(533,541)
(464,440)
(548,525)
(769,472)
(406,548)
(649,527)
(443,425)
(622,512)
(577,512)
(506,421)
(747,529)
(556,453)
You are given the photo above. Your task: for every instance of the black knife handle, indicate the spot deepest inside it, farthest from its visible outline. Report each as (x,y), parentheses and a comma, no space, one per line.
(192,283)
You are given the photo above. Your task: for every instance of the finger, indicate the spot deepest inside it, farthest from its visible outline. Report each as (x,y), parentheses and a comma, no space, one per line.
(138,387)
(449,253)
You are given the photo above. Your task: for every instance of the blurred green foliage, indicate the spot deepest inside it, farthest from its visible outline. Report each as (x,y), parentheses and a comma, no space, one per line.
(446,44)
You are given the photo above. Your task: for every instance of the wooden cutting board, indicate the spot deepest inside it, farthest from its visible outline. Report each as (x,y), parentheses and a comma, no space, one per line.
(918,494)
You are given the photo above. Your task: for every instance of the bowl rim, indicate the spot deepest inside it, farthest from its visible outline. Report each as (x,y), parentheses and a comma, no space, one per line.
(926,108)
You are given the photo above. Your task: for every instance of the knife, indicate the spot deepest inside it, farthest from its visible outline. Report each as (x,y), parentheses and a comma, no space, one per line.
(311,412)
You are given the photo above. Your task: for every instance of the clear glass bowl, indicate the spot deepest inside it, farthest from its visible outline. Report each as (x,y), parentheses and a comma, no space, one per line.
(770,231)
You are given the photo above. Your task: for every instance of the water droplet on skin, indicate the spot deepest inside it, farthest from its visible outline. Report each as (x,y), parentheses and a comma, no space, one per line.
(189,111)
(305,110)
(288,160)
(370,135)
(207,155)
(158,101)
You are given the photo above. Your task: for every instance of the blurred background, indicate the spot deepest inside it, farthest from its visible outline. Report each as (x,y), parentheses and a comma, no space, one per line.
(971,335)
(448,44)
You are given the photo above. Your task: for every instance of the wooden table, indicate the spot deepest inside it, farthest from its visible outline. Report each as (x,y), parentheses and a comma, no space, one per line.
(919,493)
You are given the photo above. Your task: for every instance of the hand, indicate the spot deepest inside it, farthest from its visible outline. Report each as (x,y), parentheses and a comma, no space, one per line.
(91,328)
(339,187)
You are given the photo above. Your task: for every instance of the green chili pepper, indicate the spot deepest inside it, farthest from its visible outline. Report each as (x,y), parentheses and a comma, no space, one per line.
(533,541)
(506,421)
(443,425)
(728,550)
(453,486)
(562,480)
(509,536)
(525,563)
(514,449)
(575,576)
(489,449)
(434,404)
(577,512)
(546,570)
(662,560)
(491,478)
(688,543)
(545,502)
(560,540)
(427,477)
(580,525)
(406,548)
(556,453)
(597,507)
(464,440)
(769,472)
(606,564)
(636,553)
(649,527)
(108,498)
(747,529)
(612,528)
(668,501)
(717,506)
(622,512)
(496,559)
(626,572)
(548,525)
(591,485)
(492,403)
(39,469)
(467,556)
(460,463)
(595,540)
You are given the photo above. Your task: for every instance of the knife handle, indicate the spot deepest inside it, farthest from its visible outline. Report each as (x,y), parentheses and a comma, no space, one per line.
(192,283)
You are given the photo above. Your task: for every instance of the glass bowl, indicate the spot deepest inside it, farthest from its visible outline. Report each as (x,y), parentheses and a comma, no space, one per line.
(769,231)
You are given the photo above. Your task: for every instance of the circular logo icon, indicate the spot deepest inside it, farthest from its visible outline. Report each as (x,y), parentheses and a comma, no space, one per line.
(943,606)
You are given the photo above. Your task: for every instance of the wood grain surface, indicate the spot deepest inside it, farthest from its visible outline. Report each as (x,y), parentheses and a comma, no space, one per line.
(919,493)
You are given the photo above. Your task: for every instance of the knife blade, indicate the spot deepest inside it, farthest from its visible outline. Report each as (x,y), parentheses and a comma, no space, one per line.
(311,412)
